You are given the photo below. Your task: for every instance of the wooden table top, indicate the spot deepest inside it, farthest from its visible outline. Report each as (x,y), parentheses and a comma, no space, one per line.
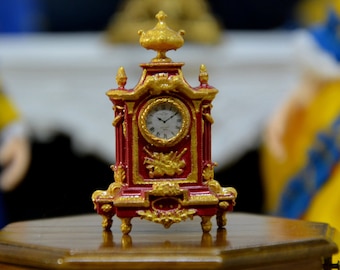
(78,242)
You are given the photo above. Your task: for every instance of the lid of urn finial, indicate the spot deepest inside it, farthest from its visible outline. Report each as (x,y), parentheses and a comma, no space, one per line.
(161,39)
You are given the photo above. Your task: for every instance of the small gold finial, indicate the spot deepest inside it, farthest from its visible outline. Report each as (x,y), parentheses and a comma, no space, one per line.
(121,78)
(203,76)
(161,38)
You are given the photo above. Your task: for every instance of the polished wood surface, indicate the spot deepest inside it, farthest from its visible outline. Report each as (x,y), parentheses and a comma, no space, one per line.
(248,242)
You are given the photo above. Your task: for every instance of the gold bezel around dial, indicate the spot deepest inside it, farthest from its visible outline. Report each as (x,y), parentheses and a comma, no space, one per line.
(164,121)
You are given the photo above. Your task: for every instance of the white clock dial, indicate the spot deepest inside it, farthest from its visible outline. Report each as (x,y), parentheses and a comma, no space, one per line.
(164,121)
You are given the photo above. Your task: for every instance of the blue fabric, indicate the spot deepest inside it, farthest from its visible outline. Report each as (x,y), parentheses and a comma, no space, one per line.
(18,16)
(322,158)
(327,37)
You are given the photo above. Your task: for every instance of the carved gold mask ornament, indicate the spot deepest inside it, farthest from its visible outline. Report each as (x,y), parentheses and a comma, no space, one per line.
(163,171)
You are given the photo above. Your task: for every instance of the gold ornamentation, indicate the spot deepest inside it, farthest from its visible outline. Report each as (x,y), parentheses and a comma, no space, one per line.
(161,39)
(203,199)
(203,75)
(206,223)
(121,78)
(113,189)
(166,189)
(148,82)
(160,164)
(207,116)
(161,82)
(224,194)
(119,173)
(120,115)
(126,225)
(208,176)
(147,110)
(208,172)
(106,222)
(221,219)
(223,205)
(132,201)
(167,218)
(227,193)
(106,207)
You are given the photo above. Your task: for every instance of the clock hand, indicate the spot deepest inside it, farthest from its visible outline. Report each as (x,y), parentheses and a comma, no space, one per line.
(170,117)
(160,119)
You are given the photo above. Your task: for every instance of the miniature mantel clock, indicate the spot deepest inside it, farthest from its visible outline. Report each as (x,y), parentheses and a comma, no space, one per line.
(163,171)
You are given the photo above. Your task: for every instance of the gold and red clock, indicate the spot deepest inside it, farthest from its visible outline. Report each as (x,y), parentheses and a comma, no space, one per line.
(163,170)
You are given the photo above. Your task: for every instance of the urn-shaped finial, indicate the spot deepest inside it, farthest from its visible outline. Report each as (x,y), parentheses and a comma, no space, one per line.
(161,39)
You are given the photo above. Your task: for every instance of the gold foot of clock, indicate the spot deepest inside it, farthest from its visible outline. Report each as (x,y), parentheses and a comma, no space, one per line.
(163,171)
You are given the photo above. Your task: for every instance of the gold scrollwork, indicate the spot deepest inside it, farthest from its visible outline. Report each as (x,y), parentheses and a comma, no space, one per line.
(161,82)
(207,116)
(106,207)
(167,218)
(223,193)
(119,173)
(166,189)
(208,172)
(113,189)
(119,179)
(120,115)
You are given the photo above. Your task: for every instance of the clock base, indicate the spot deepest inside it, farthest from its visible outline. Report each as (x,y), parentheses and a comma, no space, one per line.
(165,203)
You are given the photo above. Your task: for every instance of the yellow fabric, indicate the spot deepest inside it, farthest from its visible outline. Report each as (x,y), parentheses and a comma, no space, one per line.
(303,125)
(311,12)
(326,204)
(8,112)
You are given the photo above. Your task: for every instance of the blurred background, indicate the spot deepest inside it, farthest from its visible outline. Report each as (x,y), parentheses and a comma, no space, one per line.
(59,57)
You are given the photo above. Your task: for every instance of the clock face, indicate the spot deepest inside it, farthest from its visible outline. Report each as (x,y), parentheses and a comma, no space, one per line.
(164,121)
